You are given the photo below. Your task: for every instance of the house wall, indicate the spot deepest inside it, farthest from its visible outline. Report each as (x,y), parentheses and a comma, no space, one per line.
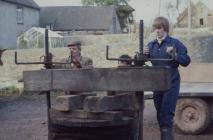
(9,29)
(210,20)
(198,13)
(184,22)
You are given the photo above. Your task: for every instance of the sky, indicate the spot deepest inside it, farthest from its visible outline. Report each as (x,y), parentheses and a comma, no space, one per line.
(144,9)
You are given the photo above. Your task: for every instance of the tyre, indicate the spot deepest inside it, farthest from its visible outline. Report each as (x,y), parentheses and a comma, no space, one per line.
(192,115)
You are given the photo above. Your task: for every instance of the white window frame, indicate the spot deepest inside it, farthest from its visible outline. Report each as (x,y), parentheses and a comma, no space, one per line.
(49,26)
(20,15)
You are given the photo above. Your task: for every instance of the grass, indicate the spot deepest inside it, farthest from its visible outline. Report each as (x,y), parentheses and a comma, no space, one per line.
(11,91)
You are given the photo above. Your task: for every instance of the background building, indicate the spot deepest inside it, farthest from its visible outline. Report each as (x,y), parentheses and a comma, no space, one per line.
(80,19)
(16,17)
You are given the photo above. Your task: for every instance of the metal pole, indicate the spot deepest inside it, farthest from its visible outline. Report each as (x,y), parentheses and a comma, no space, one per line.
(140,95)
(47,66)
(141,37)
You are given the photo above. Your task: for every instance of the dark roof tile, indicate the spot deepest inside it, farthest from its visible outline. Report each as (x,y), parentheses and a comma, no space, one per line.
(66,18)
(27,3)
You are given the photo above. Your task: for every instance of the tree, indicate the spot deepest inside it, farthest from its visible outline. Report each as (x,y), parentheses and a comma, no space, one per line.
(170,10)
(123,9)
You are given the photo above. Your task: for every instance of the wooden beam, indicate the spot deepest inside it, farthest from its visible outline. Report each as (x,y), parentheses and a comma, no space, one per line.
(90,123)
(106,103)
(40,80)
(82,114)
(99,79)
(69,102)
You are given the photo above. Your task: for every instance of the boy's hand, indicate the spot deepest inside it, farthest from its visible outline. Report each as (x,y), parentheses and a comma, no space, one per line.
(170,50)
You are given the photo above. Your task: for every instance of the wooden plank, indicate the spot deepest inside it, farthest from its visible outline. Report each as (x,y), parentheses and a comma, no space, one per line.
(118,79)
(69,102)
(97,133)
(101,79)
(197,72)
(76,122)
(196,88)
(106,103)
(81,114)
(40,80)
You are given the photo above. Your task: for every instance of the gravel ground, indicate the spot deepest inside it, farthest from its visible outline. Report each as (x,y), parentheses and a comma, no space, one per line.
(24,118)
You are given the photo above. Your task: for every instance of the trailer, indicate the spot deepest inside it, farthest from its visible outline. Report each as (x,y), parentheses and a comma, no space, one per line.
(194,107)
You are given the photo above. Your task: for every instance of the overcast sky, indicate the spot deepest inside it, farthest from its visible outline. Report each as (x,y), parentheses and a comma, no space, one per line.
(144,9)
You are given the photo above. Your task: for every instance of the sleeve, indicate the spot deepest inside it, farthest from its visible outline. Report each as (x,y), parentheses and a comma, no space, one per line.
(182,57)
(150,48)
(88,63)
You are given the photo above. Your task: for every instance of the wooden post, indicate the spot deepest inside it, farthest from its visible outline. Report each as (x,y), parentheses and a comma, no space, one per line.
(140,100)
(48,112)
(47,66)
(189,21)
(159,7)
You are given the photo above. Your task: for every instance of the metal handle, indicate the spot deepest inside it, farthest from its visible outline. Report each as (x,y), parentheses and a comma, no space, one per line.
(33,63)
(47,58)
(143,59)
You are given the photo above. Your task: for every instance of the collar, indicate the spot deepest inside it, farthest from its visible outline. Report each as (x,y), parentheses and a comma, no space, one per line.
(161,39)
(166,39)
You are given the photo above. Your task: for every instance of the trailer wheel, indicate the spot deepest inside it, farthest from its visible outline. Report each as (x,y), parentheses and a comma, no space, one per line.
(192,116)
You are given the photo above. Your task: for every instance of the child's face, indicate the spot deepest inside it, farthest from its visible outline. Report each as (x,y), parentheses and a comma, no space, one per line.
(159,30)
(122,63)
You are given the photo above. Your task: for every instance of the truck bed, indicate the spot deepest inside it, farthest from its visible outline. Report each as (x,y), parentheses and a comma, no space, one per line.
(196,88)
(191,90)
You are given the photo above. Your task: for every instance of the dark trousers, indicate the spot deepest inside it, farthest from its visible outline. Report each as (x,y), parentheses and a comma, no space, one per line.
(165,104)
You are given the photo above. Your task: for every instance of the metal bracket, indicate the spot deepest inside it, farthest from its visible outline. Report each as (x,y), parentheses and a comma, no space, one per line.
(34,63)
(142,59)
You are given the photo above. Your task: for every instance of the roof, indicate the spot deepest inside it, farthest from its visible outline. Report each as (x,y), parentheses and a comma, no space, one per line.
(26,3)
(67,18)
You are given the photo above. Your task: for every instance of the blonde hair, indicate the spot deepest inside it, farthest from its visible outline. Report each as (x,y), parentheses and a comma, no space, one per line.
(163,22)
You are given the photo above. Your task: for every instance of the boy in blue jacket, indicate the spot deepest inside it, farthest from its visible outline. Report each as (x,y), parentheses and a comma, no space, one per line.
(165,46)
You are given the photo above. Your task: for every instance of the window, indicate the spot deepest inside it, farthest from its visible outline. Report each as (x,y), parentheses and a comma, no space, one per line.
(201,22)
(114,25)
(19,15)
(49,26)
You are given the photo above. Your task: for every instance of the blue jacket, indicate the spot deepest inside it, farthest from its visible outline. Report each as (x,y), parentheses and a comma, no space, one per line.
(159,51)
